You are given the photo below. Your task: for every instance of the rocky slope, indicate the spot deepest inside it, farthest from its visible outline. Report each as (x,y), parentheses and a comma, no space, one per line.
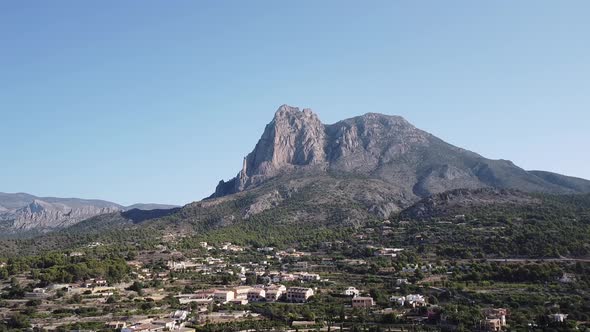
(411,163)
(24,212)
(459,201)
(303,171)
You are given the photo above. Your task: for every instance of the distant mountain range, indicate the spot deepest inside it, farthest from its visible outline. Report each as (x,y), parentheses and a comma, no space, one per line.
(25,212)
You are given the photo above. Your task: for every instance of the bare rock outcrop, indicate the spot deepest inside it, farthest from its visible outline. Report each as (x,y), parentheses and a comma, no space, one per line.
(413,162)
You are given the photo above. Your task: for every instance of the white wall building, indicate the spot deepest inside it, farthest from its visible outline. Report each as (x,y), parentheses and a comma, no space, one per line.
(351,291)
(223,296)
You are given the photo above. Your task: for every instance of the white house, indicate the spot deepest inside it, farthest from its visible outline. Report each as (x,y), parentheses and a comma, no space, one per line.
(169,323)
(180,315)
(309,276)
(558,318)
(400,282)
(412,300)
(223,296)
(351,291)
(241,292)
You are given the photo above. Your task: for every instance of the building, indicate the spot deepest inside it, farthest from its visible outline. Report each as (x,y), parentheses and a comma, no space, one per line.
(241,292)
(558,318)
(388,252)
(116,325)
(231,247)
(101,282)
(239,301)
(303,323)
(496,313)
(286,277)
(37,293)
(300,266)
(169,324)
(309,277)
(226,316)
(567,278)
(145,327)
(362,302)
(274,292)
(64,287)
(299,294)
(256,295)
(182,266)
(205,294)
(223,296)
(400,282)
(202,305)
(412,300)
(491,324)
(351,291)
(180,315)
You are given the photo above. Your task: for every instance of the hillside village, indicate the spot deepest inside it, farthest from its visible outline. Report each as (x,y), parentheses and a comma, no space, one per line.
(334,285)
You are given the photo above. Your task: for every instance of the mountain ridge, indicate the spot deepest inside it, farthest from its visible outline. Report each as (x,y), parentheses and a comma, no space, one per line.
(21,212)
(370,166)
(385,147)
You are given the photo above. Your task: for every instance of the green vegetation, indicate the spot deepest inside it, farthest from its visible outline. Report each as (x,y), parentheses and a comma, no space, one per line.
(529,258)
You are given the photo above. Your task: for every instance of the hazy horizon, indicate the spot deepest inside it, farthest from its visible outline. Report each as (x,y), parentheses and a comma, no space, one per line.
(157,103)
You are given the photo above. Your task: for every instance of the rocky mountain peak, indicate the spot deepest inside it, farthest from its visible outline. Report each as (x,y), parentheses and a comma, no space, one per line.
(293,139)
(291,111)
(37,206)
(383,147)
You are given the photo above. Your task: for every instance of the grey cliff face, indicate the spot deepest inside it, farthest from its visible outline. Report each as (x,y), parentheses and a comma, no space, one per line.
(364,142)
(44,215)
(28,212)
(22,212)
(388,148)
(293,139)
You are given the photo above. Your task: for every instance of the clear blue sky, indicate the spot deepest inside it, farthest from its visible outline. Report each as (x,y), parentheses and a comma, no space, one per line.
(156,101)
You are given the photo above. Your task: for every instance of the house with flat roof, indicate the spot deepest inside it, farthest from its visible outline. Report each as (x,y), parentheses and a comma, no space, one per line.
(496,313)
(274,292)
(299,294)
(491,324)
(362,302)
(558,318)
(257,295)
(223,296)
(351,291)
(241,292)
